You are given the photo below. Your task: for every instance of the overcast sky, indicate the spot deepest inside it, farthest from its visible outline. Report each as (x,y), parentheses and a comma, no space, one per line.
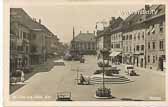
(60,19)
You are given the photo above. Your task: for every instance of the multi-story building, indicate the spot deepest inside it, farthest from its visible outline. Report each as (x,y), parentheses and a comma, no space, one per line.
(155,38)
(52,45)
(13,53)
(143,38)
(22,33)
(103,39)
(138,42)
(116,41)
(134,39)
(31,38)
(85,43)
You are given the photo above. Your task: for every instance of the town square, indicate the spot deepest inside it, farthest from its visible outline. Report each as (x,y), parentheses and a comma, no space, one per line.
(87,57)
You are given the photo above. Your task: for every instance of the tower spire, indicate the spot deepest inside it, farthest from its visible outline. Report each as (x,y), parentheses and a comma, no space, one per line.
(73,32)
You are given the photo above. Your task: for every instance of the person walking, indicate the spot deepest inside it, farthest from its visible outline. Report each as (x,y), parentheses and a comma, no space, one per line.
(22,76)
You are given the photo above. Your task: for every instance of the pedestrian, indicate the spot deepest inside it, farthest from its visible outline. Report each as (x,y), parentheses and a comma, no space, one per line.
(22,76)
(82,79)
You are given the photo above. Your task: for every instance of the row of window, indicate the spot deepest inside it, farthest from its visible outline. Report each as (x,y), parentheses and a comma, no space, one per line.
(115,46)
(161,45)
(21,48)
(135,37)
(154,59)
(23,35)
(137,48)
(129,37)
(115,37)
(153,29)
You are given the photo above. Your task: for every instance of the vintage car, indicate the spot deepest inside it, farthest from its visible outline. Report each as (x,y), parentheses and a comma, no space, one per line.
(64,96)
(59,62)
(130,70)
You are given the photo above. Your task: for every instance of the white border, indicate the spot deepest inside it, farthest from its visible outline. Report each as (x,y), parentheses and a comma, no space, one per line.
(73,103)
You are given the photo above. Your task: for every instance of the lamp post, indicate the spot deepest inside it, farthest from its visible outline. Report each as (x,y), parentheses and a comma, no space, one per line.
(103,92)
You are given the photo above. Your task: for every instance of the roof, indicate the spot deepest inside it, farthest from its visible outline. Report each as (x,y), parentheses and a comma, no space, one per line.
(85,37)
(159,9)
(118,25)
(20,16)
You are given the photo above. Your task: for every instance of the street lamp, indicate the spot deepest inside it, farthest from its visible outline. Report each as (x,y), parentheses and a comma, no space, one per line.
(104,92)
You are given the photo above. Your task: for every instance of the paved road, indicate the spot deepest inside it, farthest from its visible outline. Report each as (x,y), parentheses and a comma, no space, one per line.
(44,86)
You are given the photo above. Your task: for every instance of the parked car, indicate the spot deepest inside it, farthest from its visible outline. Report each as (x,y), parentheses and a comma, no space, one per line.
(67,57)
(59,62)
(64,96)
(129,69)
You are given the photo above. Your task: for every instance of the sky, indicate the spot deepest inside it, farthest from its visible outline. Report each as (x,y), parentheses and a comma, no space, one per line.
(60,19)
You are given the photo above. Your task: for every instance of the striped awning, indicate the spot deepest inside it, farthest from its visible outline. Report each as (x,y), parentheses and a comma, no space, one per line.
(113,54)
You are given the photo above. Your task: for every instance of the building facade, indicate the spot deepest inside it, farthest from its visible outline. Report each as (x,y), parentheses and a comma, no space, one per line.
(155,39)
(84,43)
(141,38)
(27,40)
(116,41)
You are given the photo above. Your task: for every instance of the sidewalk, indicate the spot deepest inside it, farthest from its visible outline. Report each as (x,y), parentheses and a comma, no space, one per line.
(36,68)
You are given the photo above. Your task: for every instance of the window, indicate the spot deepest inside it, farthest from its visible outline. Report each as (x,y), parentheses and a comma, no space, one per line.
(24,35)
(153,32)
(153,59)
(123,37)
(142,47)
(148,45)
(130,37)
(134,37)
(148,58)
(153,45)
(127,37)
(161,29)
(143,35)
(161,45)
(111,45)
(137,47)
(138,36)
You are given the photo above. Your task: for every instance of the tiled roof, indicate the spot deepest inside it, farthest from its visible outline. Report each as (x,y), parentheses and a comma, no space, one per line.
(159,9)
(85,37)
(19,15)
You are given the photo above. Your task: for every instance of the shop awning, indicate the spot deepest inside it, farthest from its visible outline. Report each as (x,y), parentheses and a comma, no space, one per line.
(113,54)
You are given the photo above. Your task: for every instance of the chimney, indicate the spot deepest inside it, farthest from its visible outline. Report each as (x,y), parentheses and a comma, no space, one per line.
(87,31)
(147,7)
(113,18)
(40,21)
(80,31)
